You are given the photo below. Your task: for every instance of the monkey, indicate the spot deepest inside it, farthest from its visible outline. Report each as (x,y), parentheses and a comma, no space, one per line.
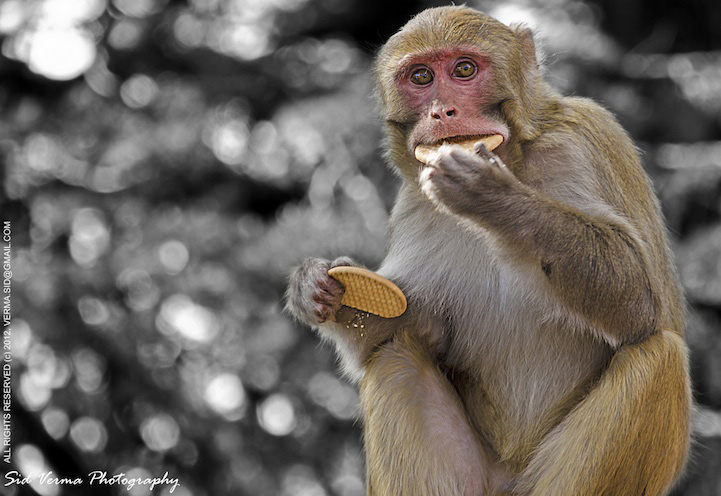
(542,350)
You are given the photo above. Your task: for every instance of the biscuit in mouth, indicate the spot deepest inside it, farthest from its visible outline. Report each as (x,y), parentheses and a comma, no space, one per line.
(424,153)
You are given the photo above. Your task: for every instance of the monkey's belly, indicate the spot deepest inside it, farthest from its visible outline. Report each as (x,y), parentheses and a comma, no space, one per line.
(528,363)
(517,392)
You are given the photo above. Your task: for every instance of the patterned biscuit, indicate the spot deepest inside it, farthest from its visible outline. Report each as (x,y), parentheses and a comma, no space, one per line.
(424,153)
(369,292)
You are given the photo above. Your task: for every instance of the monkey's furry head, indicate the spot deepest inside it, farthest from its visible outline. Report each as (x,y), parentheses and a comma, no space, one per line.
(516,83)
(441,27)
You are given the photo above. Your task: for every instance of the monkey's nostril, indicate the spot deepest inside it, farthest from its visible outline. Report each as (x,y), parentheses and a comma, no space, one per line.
(442,113)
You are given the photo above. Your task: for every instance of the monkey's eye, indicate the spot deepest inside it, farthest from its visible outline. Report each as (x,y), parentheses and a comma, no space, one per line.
(464,69)
(421,76)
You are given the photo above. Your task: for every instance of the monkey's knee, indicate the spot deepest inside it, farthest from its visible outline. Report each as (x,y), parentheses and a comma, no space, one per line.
(629,436)
(418,440)
(401,370)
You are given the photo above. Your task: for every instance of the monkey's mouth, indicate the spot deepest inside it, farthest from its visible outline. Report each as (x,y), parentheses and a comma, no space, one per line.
(425,152)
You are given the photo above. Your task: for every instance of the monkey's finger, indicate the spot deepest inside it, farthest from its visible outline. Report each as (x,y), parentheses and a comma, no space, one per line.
(446,180)
(480,149)
(460,164)
(494,160)
(323,313)
(342,262)
(491,157)
(329,287)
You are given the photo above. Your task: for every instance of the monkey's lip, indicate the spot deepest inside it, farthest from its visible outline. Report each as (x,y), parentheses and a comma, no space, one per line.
(425,152)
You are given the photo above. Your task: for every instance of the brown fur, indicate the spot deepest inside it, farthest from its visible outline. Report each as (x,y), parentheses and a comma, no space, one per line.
(542,351)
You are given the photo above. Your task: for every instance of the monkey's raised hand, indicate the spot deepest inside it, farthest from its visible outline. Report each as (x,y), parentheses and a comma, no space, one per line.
(314,297)
(461,182)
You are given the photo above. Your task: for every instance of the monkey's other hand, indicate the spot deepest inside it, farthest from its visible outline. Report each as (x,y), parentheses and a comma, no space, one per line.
(313,297)
(458,181)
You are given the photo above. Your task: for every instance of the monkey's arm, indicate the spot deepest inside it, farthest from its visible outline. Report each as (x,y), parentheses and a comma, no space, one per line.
(314,298)
(596,265)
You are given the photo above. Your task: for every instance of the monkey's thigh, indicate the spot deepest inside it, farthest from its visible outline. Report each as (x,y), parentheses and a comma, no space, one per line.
(629,436)
(417,439)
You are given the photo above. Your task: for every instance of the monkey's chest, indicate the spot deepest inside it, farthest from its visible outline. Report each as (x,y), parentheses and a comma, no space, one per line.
(488,297)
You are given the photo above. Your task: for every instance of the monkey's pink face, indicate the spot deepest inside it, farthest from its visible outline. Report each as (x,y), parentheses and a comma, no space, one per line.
(447,91)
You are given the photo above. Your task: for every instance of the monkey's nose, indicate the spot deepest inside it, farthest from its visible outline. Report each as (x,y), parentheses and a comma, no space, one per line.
(443,113)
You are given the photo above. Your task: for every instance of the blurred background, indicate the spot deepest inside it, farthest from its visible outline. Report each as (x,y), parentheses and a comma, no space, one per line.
(166,162)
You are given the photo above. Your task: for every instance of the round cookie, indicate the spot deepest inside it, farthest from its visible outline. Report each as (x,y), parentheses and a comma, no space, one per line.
(424,153)
(367,291)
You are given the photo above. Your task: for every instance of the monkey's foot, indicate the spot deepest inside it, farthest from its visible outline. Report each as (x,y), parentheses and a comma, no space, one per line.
(424,153)
(369,292)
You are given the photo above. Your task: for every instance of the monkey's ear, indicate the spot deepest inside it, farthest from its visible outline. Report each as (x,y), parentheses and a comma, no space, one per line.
(527,45)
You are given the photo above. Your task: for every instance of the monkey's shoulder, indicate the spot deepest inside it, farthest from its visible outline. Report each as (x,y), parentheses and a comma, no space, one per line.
(586,141)
(586,122)
(590,124)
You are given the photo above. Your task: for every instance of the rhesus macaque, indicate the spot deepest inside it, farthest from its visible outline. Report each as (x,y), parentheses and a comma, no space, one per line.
(541,352)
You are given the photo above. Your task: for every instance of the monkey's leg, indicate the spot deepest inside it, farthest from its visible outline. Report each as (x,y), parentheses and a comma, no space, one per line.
(629,436)
(417,438)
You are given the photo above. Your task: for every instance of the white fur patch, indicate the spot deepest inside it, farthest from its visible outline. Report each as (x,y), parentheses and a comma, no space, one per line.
(350,363)
(429,189)
(427,184)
